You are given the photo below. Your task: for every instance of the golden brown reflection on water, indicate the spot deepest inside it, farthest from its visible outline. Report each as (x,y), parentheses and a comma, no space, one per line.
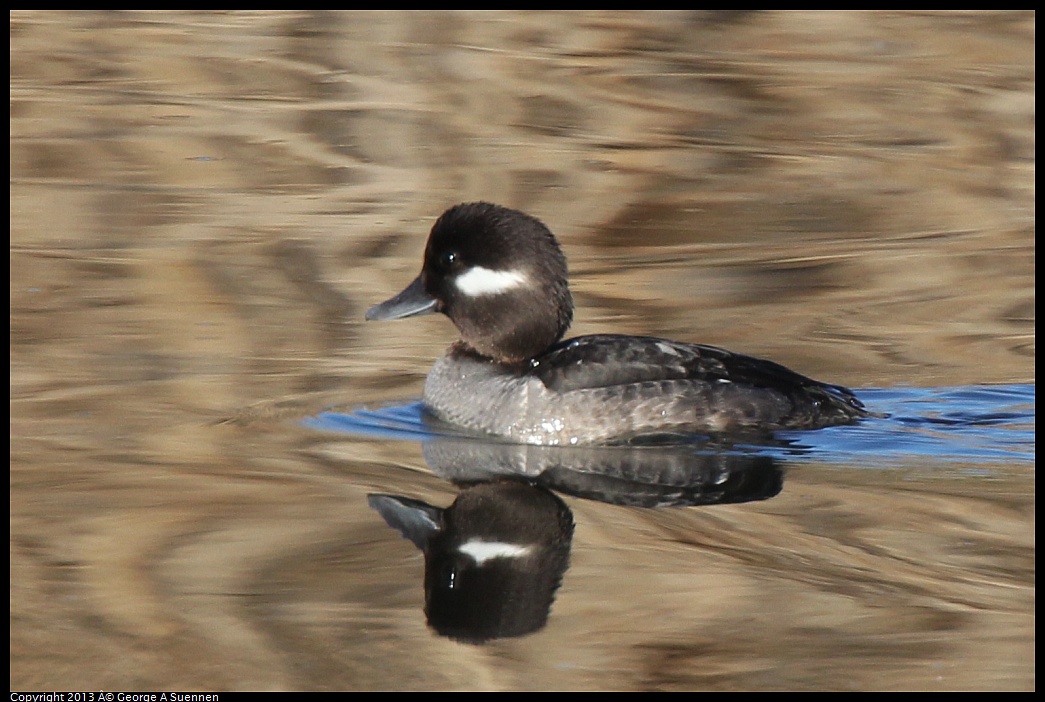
(202,204)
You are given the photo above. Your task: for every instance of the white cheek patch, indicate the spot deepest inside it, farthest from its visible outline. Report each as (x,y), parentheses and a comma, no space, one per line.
(485,281)
(482,551)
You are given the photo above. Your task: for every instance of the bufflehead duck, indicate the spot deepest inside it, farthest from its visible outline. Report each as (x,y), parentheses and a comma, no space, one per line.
(501,278)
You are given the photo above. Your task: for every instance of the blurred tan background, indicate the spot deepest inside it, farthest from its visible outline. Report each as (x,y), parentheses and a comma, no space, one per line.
(203,204)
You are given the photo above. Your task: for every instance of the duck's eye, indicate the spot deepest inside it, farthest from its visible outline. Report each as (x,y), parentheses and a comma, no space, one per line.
(448,260)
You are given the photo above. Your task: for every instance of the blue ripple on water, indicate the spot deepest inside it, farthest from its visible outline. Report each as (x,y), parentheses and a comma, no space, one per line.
(970,423)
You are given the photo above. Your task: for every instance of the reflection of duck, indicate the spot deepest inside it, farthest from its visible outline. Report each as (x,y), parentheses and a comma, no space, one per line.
(493,559)
(637,476)
(500,276)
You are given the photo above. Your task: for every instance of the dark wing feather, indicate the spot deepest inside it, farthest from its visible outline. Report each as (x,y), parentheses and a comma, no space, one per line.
(605,360)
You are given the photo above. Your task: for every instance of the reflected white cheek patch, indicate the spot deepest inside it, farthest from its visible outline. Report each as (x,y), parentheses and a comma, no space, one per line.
(485,281)
(483,551)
